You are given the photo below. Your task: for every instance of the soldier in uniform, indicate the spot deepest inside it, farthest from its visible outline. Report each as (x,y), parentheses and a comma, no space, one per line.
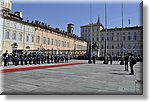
(30,58)
(48,57)
(34,58)
(26,58)
(52,58)
(38,58)
(42,58)
(22,58)
(16,58)
(13,57)
(6,57)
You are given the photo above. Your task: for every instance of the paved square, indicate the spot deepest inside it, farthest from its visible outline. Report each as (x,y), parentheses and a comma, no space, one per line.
(78,79)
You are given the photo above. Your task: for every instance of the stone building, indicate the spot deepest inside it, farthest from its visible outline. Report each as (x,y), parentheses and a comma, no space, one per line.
(127,40)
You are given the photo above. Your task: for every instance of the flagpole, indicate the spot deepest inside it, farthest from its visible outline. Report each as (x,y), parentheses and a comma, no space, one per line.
(122,48)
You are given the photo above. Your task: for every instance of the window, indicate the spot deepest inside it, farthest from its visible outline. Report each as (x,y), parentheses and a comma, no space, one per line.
(58,42)
(117,36)
(62,43)
(14,36)
(44,40)
(89,29)
(135,38)
(107,47)
(52,41)
(48,41)
(112,38)
(102,38)
(107,38)
(134,33)
(32,38)
(97,39)
(129,37)
(112,47)
(7,35)
(92,30)
(20,37)
(65,44)
(112,53)
(38,39)
(85,30)
(97,30)
(27,38)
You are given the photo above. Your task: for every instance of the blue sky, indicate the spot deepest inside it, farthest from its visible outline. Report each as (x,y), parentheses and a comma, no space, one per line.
(60,14)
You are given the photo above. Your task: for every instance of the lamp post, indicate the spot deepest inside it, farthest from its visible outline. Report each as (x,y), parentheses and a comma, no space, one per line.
(105,53)
(90,42)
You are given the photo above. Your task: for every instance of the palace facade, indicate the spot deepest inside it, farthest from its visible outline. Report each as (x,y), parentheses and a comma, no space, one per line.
(17,34)
(119,40)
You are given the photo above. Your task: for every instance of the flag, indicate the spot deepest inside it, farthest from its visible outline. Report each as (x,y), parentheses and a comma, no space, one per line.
(129,20)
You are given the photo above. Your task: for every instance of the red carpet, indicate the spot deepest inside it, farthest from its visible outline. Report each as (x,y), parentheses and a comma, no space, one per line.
(36,67)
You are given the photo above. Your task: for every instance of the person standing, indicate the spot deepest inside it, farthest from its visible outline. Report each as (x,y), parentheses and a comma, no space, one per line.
(22,58)
(52,58)
(16,58)
(30,58)
(48,58)
(132,63)
(5,57)
(110,58)
(26,58)
(126,59)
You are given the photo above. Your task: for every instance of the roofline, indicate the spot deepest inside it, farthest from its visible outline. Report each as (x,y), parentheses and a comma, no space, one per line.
(43,27)
(126,28)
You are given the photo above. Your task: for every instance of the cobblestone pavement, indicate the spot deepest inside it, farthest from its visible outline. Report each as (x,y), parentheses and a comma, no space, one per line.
(77,79)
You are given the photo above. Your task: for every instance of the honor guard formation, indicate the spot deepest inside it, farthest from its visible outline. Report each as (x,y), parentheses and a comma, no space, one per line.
(29,58)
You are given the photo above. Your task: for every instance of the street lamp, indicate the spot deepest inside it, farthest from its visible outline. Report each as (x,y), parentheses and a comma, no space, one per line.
(105,54)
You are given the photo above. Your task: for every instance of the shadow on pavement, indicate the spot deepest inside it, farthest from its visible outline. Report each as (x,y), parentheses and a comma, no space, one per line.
(117,70)
(120,73)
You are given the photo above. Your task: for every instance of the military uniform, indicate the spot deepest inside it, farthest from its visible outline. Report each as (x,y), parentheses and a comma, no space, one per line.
(22,58)
(16,58)
(5,57)
(30,58)
(48,58)
(26,58)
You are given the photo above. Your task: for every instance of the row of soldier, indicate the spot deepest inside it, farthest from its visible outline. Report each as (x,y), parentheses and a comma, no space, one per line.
(32,58)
